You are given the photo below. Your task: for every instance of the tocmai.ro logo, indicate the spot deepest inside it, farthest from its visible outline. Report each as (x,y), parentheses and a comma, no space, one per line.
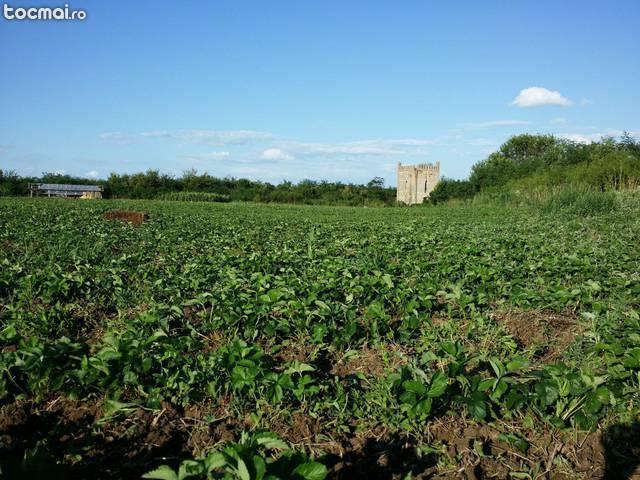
(42,13)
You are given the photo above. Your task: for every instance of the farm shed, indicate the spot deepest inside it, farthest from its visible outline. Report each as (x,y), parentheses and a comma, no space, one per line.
(65,190)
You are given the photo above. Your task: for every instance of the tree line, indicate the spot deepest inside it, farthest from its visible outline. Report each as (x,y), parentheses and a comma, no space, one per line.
(540,161)
(524,162)
(154,184)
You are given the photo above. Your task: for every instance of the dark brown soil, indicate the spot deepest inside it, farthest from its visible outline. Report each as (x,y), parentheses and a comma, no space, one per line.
(549,333)
(135,218)
(119,448)
(93,446)
(299,428)
(380,454)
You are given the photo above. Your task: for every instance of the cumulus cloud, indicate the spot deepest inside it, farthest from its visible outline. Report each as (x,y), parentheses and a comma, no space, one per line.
(206,137)
(275,154)
(539,96)
(495,124)
(596,137)
(581,137)
(92,174)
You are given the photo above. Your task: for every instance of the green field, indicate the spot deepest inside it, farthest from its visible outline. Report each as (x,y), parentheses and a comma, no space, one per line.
(429,342)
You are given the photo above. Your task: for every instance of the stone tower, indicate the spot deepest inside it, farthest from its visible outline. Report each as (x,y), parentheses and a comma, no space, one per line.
(415,182)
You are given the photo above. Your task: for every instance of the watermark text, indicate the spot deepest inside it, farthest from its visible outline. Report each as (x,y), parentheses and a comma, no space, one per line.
(42,13)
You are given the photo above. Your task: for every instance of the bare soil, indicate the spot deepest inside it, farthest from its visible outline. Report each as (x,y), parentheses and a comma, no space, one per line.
(548,333)
(92,446)
(135,218)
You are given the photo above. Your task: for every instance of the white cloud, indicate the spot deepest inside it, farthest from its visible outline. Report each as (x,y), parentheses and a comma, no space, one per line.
(596,137)
(353,148)
(582,137)
(207,137)
(156,134)
(375,147)
(92,174)
(495,124)
(223,137)
(585,101)
(275,154)
(539,96)
(286,150)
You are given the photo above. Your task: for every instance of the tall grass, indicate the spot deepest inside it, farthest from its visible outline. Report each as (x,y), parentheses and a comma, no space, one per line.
(582,200)
(578,200)
(196,197)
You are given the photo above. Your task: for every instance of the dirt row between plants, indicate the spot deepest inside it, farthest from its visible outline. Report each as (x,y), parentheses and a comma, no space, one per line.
(90,445)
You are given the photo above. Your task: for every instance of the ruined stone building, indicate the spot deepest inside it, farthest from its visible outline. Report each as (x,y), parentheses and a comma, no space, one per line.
(415,182)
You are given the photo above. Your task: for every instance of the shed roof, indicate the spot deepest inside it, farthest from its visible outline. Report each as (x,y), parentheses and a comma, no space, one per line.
(65,187)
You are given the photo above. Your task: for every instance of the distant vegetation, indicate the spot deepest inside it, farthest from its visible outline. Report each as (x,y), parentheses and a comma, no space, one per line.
(530,163)
(196,197)
(540,169)
(154,185)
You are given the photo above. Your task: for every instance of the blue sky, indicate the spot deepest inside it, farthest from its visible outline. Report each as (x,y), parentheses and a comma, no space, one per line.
(336,90)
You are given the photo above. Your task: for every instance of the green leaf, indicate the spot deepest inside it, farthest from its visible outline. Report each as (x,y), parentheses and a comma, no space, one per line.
(450,348)
(497,366)
(270,441)
(408,398)
(423,407)
(499,389)
(517,364)
(438,386)
(486,384)
(547,392)
(520,475)
(243,472)
(414,386)
(593,404)
(477,406)
(164,472)
(322,304)
(214,461)
(603,394)
(259,466)
(190,468)
(298,367)
(311,471)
